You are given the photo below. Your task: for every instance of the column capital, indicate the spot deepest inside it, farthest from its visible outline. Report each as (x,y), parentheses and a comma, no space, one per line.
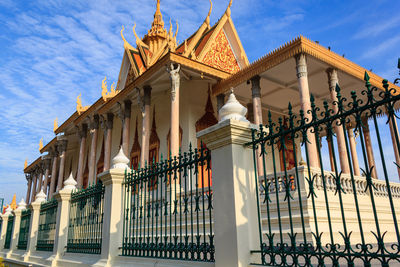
(94,122)
(53,152)
(255,86)
(127,108)
(46,162)
(82,130)
(62,145)
(108,121)
(332,78)
(301,65)
(147,94)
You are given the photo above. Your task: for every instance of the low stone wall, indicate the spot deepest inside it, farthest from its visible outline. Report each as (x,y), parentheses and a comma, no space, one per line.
(316,216)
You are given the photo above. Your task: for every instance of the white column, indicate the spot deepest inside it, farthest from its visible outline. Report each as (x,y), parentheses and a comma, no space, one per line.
(175,85)
(62,151)
(108,140)
(82,132)
(301,68)
(34,226)
(94,130)
(17,224)
(113,209)
(4,224)
(353,149)
(61,235)
(46,165)
(340,137)
(126,126)
(144,153)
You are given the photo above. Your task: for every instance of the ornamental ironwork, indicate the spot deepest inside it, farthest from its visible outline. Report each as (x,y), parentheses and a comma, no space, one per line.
(309,216)
(24,229)
(47,225)
(168,209)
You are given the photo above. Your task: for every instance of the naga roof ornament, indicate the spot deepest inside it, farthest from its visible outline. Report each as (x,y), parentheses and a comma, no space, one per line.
(41,144)
(104,92)
(55,126)
(79,108)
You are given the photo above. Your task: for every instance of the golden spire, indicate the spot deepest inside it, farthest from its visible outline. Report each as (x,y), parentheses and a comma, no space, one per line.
(55,127)
(26,164)
(41,144)
(157,33)
(13,204)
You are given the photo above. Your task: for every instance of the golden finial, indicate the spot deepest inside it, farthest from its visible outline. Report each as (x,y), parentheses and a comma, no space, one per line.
(104,93)
(41,144)
(177,28)
(228,10)
(104,89)
(138,40)
(207,20)
(55,127)
(13,204)
(79,108)
(26,164)
(113,88)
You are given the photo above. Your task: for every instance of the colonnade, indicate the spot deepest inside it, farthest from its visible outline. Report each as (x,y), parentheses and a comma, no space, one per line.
(52,166)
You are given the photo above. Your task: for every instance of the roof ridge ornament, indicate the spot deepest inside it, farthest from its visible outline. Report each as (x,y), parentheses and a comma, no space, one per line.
(79,108)
(104,92)
(127,45)
(55,125)
(40,144)
(25,164)
(207,20)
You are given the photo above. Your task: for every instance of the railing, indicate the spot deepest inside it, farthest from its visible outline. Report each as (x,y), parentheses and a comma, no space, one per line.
(47,225)
(86,220)
(24,229)
(10,226)
(312,217)
(168,210)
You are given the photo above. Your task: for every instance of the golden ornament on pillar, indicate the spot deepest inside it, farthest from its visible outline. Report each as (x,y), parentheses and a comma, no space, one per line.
(41,144)
(79,108)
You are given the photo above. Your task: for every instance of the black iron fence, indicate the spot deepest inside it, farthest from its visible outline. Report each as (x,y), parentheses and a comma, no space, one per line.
(24,229)
(86,220)
(309,216)
(47,225)
(9,231)
(168,210)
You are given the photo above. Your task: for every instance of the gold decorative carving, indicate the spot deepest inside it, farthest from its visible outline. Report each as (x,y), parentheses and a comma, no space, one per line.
(26,164)
(221,55)
(104,92)
(41,144)
(55,127)
(79,108)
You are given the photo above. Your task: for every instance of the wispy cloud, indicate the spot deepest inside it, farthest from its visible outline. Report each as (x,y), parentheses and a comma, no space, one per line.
(384,46)
(377,28)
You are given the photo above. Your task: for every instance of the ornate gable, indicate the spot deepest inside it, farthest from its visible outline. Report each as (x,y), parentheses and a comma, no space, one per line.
(220,55)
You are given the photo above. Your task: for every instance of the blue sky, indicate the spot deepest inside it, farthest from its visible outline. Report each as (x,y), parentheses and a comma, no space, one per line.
(52,50)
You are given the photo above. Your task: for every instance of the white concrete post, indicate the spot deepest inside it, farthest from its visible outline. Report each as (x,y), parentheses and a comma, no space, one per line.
(113,205)
(234,188)
(34,225)
(63,198)
(17,224)
(4,217)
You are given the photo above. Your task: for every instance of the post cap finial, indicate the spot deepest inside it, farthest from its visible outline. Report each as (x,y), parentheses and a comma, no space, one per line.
(233,109)
(70,183)
(40,197)
(22,205)
(120,161)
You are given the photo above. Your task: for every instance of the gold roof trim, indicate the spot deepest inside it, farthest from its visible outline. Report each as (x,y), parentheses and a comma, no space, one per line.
(288,50)
(33,164)
(48,145)
(104,92)
(79,108)
(41,144)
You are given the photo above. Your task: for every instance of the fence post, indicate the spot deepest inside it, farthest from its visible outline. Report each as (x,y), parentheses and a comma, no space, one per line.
(4,229)
(234,188)
(17,224)
(34,224)
(113,213)
(63,198)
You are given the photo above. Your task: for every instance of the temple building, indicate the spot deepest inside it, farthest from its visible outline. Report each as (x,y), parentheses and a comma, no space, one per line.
(167,92)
